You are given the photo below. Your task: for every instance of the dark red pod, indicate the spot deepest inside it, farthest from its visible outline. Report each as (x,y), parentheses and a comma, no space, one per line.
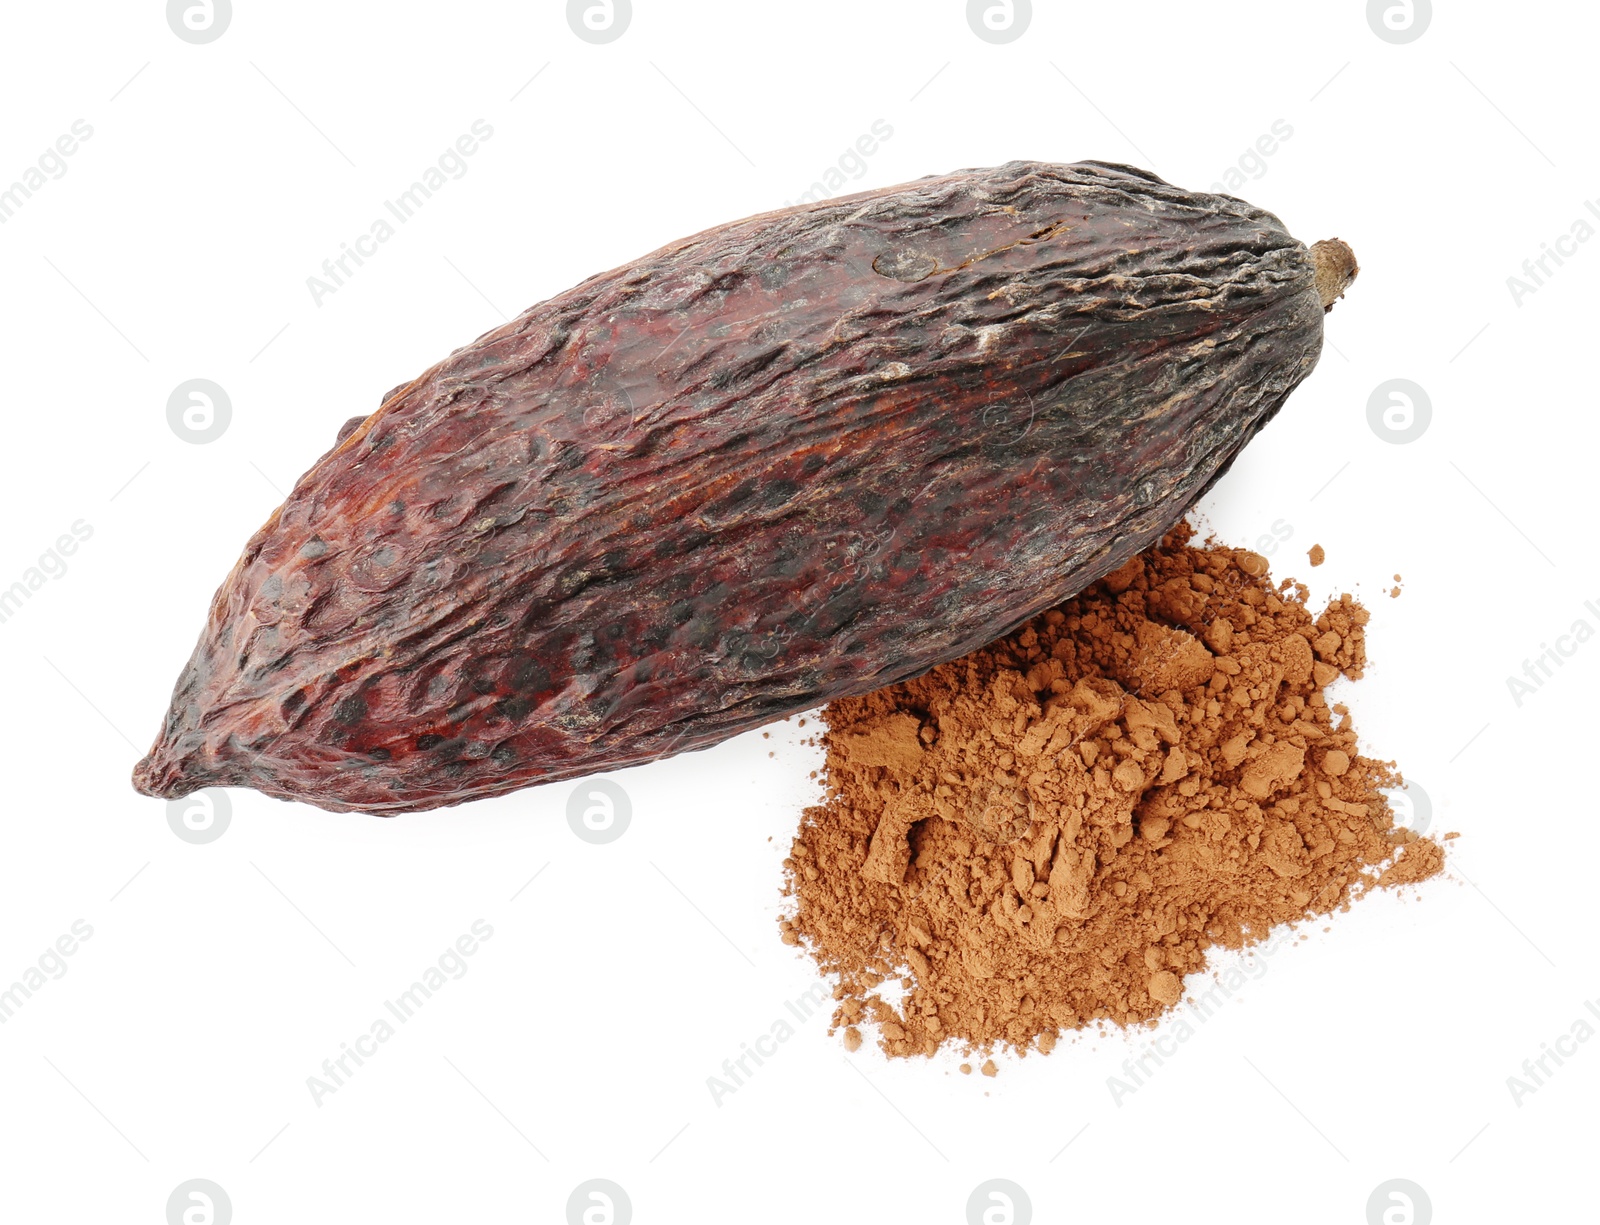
(788,459)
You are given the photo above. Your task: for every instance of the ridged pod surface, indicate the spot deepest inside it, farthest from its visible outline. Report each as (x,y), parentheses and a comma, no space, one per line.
(788,459)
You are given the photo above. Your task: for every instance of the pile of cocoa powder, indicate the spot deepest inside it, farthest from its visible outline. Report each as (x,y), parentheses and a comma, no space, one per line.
(1052,831)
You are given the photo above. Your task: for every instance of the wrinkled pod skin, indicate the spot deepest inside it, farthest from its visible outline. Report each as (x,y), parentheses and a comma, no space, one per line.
(785,460)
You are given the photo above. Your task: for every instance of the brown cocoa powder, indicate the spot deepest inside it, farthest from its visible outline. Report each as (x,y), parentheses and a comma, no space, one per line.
(1054,830)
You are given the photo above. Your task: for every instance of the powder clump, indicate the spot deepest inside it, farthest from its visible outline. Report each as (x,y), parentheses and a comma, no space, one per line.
(1055,829)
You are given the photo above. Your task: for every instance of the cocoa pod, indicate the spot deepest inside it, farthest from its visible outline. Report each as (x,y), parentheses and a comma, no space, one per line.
(785,460)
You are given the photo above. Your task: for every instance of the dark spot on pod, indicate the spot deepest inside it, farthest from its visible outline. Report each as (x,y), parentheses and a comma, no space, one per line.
(527,675)
(789,563)
(514,709)
(739,495)
(350,711)
(779,492)
(702,630)
(315,547)
(800,623)
(538,612)
(429,740)
(678,580)
(656,637)
(503,755)
(380,754)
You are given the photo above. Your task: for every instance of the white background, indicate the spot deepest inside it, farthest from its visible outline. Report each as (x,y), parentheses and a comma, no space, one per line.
(219,977)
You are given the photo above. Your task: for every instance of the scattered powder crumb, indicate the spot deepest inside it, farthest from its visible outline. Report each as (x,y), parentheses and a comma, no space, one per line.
(966,1069)
(1417,861)
(1165,987)
(1054,830)
(1317,554)
(852,1039)
(988,1068)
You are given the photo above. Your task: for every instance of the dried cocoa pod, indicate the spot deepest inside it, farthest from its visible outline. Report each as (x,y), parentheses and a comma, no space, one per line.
(792,458)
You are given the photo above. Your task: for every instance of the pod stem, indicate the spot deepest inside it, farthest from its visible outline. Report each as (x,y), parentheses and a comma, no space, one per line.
(1336,267)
